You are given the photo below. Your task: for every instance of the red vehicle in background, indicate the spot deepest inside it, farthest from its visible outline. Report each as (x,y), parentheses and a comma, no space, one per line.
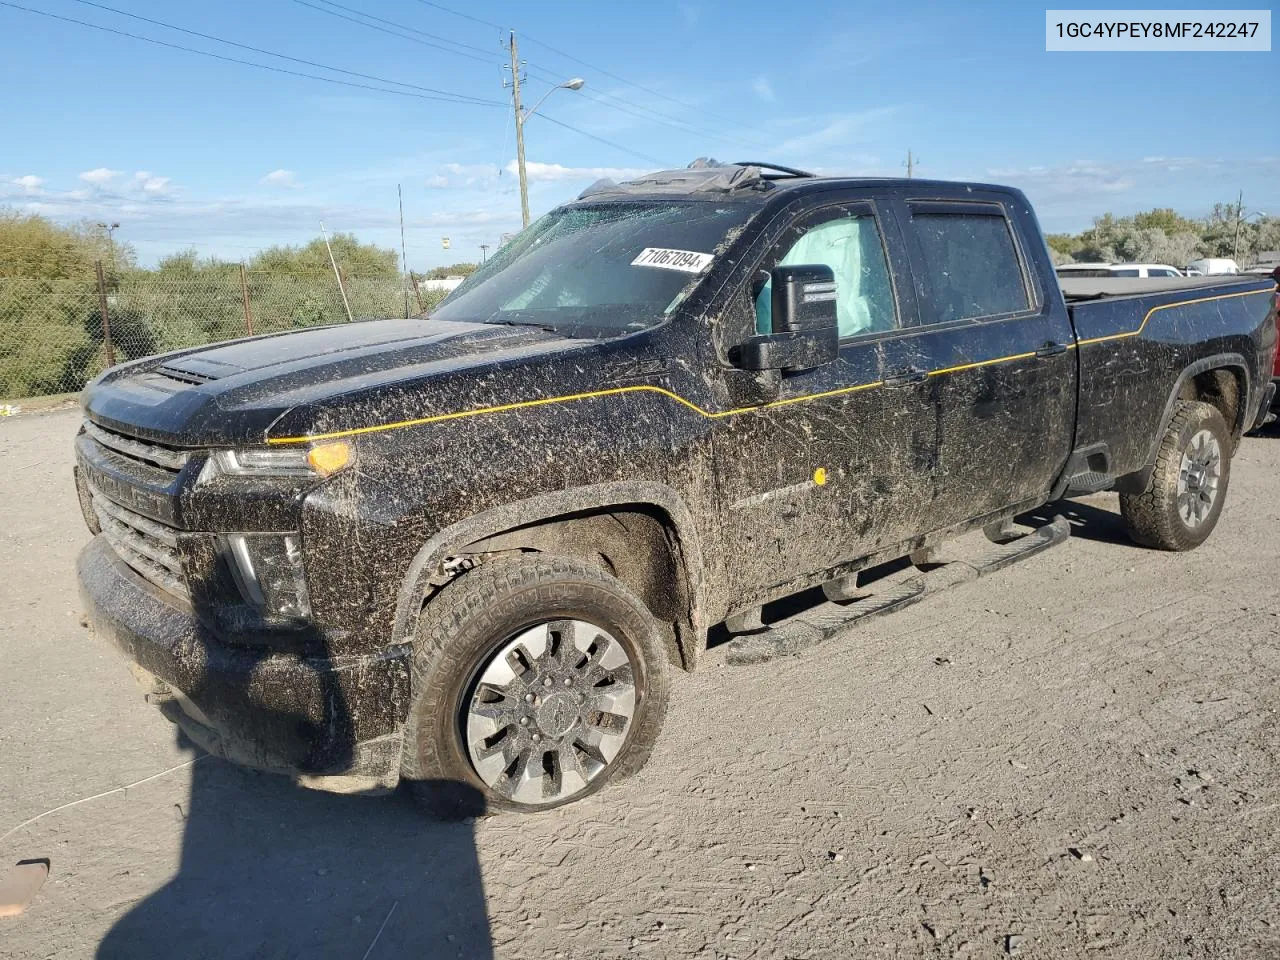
(1275,403)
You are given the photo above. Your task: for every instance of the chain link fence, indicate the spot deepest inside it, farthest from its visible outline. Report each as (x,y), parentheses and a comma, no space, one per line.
(54,336)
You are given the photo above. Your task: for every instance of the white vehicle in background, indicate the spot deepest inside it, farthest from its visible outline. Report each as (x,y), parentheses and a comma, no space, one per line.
(1081,270)
(1212,266)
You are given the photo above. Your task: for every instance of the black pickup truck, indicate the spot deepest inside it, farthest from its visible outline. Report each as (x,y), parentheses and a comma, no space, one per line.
(467,550)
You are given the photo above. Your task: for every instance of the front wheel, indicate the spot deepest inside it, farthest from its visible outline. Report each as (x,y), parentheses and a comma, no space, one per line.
(536,680)
(1188,486)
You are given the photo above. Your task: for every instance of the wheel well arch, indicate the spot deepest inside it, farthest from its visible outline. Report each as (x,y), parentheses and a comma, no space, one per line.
(1225,387)
(1221,380)
(641,533)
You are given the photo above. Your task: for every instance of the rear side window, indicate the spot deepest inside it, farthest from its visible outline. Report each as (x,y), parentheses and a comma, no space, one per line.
(971,266)
(1126,273)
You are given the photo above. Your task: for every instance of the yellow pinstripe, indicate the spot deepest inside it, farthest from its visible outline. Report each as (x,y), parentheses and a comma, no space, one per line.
(720,414)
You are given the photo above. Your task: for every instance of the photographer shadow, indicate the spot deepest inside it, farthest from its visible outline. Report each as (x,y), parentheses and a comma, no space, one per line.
(271,869)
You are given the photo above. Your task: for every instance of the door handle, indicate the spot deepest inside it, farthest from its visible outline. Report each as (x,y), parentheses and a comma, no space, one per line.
(1051,349)
(905,378)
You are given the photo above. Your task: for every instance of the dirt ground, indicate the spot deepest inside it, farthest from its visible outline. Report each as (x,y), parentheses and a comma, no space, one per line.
(1076,757)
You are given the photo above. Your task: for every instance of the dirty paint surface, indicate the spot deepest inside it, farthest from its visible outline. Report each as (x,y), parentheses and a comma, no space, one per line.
(473,439)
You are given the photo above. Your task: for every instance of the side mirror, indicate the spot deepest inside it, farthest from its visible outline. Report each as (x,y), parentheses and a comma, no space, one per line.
(803,314)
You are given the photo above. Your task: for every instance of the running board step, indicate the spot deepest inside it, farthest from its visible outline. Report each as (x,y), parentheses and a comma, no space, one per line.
(819,623)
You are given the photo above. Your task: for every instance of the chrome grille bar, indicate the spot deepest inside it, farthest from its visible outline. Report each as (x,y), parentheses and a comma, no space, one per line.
(146,546)
(151,453)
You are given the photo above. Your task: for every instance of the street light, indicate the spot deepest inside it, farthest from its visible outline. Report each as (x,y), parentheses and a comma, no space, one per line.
(111,229)
(576,83)
(484,253)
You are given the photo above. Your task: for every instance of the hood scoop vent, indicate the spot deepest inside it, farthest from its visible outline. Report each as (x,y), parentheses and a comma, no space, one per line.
(182,376)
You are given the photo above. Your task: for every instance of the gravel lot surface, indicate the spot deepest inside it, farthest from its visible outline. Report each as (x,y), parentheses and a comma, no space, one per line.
(1076,757)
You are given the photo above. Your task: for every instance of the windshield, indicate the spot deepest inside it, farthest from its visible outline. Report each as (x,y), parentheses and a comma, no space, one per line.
(599,270)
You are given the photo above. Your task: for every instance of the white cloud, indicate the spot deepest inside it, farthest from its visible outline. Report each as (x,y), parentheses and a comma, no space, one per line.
(558,173)
(152,185)
(281,178)
(1081,178)
(453,176)
(764,89)
(30,183)
(838,130)
(100,176)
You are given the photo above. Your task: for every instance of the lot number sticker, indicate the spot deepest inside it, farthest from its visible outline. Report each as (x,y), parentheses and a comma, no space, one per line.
(686,261)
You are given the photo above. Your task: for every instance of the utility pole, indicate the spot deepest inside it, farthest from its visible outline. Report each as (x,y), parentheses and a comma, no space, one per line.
(404,257)
(1235,244)
(910,165)
(484,253)
(111,229)
(515,100)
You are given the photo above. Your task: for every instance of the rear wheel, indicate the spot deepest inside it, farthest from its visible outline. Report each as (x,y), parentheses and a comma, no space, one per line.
(1188,486)
(536,681)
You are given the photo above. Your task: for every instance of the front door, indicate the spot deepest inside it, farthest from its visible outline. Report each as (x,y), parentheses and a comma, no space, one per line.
(828,465)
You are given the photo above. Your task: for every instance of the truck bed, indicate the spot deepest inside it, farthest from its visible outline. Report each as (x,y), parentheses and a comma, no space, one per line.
(1097,288)
(1132,332)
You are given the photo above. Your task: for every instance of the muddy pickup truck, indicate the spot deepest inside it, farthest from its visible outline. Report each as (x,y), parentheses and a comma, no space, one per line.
(468,550)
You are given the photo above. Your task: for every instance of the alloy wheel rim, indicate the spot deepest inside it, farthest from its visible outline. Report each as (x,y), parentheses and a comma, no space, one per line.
(550,711)
(1198,478)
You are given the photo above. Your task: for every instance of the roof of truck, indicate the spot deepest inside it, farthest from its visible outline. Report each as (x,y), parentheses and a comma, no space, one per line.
(709,178)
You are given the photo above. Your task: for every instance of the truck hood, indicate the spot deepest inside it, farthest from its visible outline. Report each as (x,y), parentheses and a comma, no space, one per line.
(231,393)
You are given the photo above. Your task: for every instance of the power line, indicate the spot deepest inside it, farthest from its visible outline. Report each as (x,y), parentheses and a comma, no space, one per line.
(608,143)
(400,26)
(577,60)
(633,109)
(619,103)
(623,80)
(248,63)
(464,16)
(280,56)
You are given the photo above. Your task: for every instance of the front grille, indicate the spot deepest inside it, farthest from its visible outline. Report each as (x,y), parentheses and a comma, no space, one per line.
(148,547)
(153,454)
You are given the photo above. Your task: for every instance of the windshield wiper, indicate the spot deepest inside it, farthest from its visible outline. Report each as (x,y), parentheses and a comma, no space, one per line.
(540,324)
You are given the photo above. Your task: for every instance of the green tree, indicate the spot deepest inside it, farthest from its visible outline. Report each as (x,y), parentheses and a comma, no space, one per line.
(1166,219)
(453,270)
(356,259)
(188,263)
(36,248)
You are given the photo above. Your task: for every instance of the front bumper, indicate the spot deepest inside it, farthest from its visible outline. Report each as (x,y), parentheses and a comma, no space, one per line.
(313,717)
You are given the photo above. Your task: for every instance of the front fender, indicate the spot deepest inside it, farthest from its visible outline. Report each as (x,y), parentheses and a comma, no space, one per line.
(546,507)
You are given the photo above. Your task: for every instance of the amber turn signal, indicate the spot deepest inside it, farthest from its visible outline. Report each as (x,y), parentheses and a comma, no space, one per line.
(328,458)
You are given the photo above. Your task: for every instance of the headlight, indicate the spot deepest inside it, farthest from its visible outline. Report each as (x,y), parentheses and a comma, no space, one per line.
(319,460)
(268,570)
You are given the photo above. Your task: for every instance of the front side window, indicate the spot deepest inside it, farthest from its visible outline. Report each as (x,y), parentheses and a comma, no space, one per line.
(850,245)
(579,270)
(971,267)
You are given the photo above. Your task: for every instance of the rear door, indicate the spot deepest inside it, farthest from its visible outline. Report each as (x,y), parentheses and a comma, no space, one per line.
(991,351)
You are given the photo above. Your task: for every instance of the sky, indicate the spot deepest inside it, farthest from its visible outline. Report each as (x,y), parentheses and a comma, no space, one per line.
(183,150)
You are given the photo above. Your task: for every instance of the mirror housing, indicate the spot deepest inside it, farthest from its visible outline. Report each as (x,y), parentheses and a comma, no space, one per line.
(805,329)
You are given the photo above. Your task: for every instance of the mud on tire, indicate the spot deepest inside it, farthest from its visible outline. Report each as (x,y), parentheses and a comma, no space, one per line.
(1177,511)
(483,613)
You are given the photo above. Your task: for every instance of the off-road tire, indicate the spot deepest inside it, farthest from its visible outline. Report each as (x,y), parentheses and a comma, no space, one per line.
(1152,517)
(467,622)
